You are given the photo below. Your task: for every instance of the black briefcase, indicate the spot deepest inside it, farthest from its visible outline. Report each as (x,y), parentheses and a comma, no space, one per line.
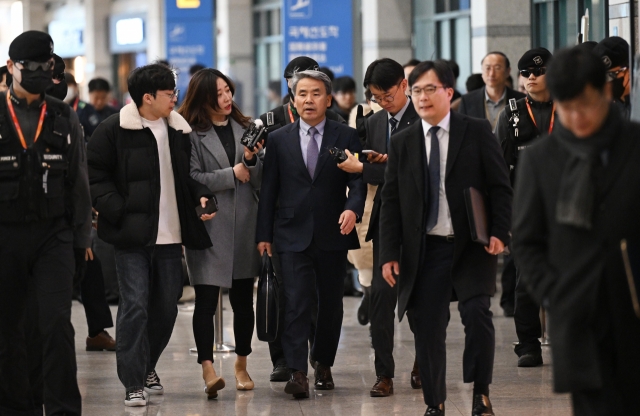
(478,218)
(631,258)
(267,304)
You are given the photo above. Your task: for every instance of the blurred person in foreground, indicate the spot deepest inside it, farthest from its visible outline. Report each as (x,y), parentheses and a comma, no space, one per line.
(575,199)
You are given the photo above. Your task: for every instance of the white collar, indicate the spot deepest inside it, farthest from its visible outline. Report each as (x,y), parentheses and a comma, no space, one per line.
(130,119)
(444,124)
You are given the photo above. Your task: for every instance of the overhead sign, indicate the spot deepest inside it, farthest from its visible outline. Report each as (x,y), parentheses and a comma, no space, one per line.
(190,36)
(127,33)
(68,37)
(321,30)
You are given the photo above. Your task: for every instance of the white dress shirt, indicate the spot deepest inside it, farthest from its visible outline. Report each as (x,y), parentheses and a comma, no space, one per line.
(305,138)
(444,226)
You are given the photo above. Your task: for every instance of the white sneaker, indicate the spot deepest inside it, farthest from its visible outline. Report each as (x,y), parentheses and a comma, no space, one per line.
(152,385)
(135,398)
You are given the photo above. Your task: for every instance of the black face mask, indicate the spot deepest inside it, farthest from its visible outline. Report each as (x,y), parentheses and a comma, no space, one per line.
(36,82)
(617,87)
(58,91)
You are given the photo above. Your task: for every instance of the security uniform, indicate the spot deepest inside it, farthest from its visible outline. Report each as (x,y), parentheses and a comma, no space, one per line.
(45,210)
(517,130)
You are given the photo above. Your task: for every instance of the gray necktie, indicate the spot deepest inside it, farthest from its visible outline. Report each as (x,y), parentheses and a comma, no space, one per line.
(312,151)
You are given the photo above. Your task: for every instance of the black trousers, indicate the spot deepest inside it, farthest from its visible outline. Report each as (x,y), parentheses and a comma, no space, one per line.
(37,273)
(275,347)
(312,273)
(241,299)
(527,320)
(382,318)
(431,299)
(509,279)
(94,298)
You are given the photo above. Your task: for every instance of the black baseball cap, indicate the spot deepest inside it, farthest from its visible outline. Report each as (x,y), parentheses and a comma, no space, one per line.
(534,58)
(32,45)
(59,67)
(614,51)
(301,63)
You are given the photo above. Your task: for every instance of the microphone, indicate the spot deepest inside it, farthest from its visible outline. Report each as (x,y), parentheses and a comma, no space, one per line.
(252,134)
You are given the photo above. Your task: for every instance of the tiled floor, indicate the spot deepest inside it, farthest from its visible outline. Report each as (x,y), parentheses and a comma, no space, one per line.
(514,392)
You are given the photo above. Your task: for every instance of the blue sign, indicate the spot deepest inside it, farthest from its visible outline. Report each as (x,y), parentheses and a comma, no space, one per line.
(190,37)
(321,30)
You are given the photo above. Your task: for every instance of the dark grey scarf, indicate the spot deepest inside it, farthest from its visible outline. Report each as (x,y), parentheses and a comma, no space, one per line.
(577,193)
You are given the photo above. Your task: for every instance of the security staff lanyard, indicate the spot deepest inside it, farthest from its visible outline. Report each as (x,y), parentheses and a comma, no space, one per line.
(16,123)
(553,116)
(293,120)
(75,104)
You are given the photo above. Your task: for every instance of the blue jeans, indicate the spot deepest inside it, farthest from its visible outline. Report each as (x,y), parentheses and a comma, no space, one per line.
(150,280)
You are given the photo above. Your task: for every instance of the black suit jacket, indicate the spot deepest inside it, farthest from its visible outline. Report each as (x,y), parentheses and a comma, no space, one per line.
(472,103)
(294,208)
(373,173)
(577,274)
(474,160)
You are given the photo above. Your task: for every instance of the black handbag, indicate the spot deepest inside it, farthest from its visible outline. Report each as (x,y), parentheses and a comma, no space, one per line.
(268,311)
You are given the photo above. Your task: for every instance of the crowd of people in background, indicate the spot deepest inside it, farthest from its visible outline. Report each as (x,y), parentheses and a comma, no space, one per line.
(554,149)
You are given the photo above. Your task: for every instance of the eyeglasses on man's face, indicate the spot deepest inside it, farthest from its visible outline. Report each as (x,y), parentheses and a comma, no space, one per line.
(387,97)
(428,90)
(173,96)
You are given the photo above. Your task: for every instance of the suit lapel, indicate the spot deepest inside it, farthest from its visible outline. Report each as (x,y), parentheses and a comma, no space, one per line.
(415,146)
(381,132)
(211,142)
(457,129)
(329,139)
(293,145)
(408,117)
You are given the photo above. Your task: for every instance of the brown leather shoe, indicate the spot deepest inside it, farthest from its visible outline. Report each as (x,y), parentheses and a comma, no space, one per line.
(298,385)
(415,376)
(101,342)
(383,387)
(324,379)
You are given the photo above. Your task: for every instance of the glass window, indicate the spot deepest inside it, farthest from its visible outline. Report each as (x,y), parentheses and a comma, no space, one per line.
(442,30)
(267,38)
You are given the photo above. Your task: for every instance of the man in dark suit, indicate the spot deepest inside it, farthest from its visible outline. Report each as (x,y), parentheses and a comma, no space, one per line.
(576,198)
(305,212)
(425,235)
(385,81)
(488,102)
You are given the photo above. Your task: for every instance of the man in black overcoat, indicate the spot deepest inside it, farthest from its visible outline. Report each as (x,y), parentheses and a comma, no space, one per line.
(576,199)
(425,244)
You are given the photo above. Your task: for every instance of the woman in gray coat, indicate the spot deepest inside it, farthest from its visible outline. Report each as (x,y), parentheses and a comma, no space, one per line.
(233,173)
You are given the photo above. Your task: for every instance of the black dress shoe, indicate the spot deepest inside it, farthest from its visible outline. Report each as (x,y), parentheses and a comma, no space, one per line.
(435,411)
(482,406)
(363,310)
(324,380)
(416,383)
(280,373)
(298,385)
(530,360)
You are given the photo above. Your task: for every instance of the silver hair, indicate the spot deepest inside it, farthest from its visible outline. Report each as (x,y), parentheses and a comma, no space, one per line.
(310,73)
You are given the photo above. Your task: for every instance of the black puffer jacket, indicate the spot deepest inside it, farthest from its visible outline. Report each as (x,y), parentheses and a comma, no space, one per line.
(124,175)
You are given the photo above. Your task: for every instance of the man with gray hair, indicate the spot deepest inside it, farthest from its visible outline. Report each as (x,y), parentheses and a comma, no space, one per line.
(305,212)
